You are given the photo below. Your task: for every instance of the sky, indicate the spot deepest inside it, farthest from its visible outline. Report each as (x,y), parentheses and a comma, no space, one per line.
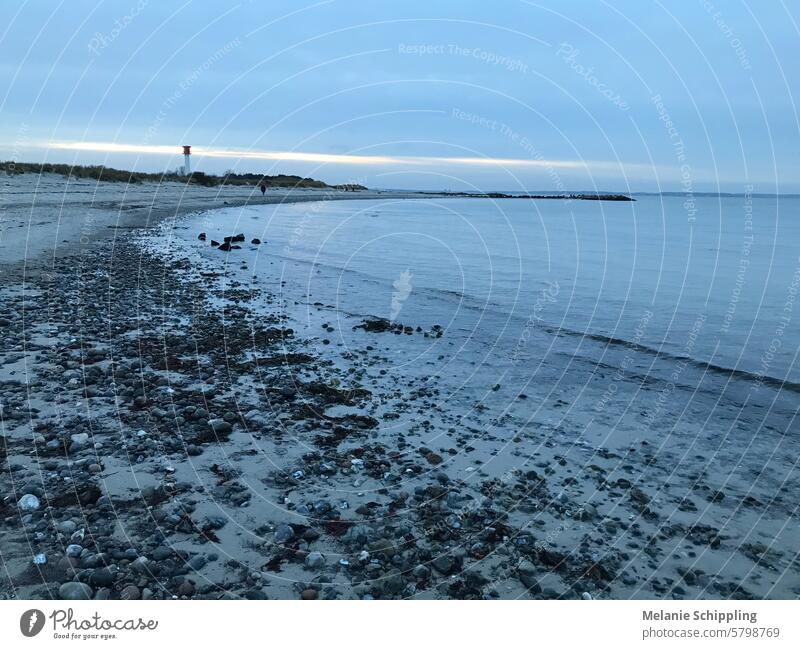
(509,95)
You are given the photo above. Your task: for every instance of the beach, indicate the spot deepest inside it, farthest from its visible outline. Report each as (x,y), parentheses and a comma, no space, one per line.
(278,421)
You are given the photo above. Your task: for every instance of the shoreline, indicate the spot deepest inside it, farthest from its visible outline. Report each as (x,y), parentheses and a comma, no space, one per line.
(39,211)
(181,443)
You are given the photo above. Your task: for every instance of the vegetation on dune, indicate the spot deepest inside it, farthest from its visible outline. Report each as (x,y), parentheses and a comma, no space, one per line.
(102,173)
(95,172)
(280,180)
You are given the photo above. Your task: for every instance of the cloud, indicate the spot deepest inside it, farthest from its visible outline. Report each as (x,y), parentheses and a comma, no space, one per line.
(345,159)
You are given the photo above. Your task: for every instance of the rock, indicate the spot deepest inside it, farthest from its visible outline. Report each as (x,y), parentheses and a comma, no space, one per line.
(29,503)
(443,564)
(225,247)
(383,547)
(587,596)
(75,590)
(74,550)
(373,568)
(101,578)
(308,593)
(186,589)
(130,592)
(315,561)
(79,441)
(421,572)
(67,527)
(256,418)
(153,495)
(202,236)
(220,426)
(80,492)
(67,567)
(162,552)
(433,458)
(256,241)
(283,533)
(214,522)
(392,584)
(530,582)
(214,243)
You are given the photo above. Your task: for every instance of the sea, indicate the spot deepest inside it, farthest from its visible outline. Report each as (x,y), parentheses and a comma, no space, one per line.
(669,320)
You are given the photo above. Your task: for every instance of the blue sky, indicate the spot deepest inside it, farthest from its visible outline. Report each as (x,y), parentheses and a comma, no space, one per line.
(634,96)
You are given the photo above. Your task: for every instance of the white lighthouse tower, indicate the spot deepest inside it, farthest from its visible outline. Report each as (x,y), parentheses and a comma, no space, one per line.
(187,163)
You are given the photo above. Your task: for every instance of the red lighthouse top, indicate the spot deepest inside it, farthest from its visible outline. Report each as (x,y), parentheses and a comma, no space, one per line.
(187,149)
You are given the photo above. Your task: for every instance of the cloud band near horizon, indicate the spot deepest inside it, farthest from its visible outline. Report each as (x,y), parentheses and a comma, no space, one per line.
(349,159)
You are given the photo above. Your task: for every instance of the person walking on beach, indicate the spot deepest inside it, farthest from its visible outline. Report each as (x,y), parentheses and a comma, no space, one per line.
(263,186)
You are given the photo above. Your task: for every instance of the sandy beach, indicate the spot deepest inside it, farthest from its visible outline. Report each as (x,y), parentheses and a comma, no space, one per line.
(161,438)
(46,215)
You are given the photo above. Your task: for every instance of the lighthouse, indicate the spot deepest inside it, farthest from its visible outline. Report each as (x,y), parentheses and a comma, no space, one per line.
(187,163)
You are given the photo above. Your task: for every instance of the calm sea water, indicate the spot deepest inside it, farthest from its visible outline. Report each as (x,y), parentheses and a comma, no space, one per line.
(653,271)
(629,317)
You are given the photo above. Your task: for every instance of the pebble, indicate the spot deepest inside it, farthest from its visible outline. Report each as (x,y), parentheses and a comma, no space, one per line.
(67,566)
(130,592)
(308,593)
(67,527)
(74,550)
(587,512)
(443,564)
(162,552)
(186,589)
(29,503)
(79,440)
(421,572)
(220,426)
(315,560)
(283,533)
(434,458)
(75,590)
(101,578)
